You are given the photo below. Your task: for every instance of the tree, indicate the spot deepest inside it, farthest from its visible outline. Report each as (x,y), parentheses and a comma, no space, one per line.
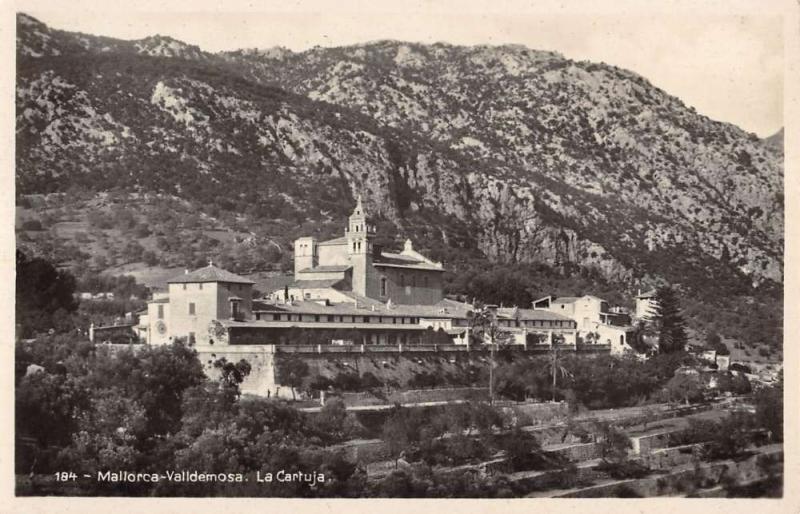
(769,409)
(483,324)
(521,449)
(44,295)
(232,375)
(714,342)
(685,387)
(614,443)
(292,371)
(669,321)
(396,434)
(108,434)
(156,377)
(331,419)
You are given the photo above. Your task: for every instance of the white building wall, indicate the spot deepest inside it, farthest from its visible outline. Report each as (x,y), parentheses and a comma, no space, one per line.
(586,312)
(645,308)
(206,308)
(158,326)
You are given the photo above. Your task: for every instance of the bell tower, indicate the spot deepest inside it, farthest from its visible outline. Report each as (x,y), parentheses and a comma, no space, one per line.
(359,247)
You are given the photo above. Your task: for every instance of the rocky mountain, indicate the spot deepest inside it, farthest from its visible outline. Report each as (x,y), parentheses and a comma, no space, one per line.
(775,141)
(505,152)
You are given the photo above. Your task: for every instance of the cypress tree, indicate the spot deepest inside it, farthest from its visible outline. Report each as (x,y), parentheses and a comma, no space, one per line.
(669,321)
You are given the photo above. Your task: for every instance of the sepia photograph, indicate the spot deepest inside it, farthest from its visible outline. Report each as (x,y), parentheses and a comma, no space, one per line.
(388,253)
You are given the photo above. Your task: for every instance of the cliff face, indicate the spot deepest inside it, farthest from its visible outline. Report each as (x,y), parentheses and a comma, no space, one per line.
(522,155)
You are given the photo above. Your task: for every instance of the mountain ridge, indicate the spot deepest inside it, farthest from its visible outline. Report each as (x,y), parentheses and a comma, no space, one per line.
(537,174)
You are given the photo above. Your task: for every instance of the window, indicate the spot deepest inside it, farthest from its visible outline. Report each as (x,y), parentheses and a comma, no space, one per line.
(200,286)
(191,309)
(383,286)
(402,280)
(425,281)
(184,287)
(160,312)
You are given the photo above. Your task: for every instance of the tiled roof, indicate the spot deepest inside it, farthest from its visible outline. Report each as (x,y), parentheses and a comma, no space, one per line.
(273,283)
(397,260)
(315,284)
(337,241)
(566,299)
(210,274)
(327,269)
(397,257)
(444,309)
(523,314)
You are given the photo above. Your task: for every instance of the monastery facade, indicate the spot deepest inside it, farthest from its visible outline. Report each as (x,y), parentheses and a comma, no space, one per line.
(350,291)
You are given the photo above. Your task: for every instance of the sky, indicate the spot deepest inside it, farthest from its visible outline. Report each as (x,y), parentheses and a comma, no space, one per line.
(727,63)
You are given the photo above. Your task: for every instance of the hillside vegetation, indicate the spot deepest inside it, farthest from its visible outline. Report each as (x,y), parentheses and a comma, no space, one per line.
(574,175)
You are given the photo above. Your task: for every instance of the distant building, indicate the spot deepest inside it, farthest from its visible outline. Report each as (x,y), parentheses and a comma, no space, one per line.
(193,301)
(596,322)
(348,285)
(353,264)
(646,305)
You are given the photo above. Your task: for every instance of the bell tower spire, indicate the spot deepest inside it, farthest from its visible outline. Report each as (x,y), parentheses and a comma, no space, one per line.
(358,221)
(359,247)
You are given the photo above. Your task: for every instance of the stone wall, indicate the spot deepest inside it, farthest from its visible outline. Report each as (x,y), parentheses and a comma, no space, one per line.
(666,458)
(578,452)
(704,476)
(261,380)
(647,443)
(537,413)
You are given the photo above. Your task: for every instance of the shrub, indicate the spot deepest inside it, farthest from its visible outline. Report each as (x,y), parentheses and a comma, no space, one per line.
(623,470)
(32,225)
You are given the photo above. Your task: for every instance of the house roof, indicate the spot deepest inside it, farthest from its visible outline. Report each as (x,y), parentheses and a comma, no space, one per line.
(210,274)
(327,269)
(273,283)
(566,299)
(446,308)
(396,260)
(337,241)
(315,284)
